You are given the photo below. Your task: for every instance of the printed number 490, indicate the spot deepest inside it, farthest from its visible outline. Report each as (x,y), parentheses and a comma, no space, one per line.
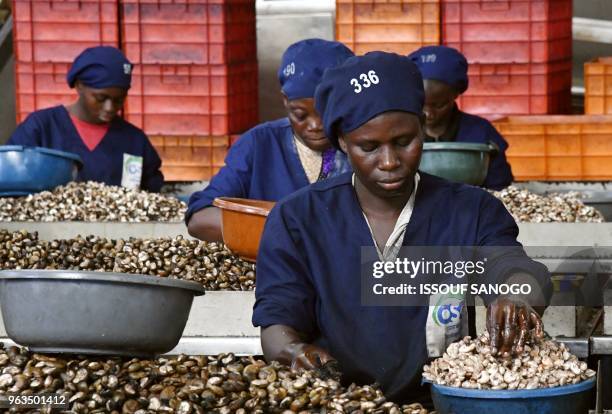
(366,81)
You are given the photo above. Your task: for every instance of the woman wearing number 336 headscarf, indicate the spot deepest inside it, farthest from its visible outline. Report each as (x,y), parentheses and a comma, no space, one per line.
(309,293)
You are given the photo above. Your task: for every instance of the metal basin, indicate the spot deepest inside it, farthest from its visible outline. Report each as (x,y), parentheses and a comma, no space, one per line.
(60,311)
(27,170)
(463,162)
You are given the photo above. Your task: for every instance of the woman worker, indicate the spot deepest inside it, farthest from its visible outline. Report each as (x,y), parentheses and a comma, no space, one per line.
(444,72)
(113,151)
(276,158)
(308,294)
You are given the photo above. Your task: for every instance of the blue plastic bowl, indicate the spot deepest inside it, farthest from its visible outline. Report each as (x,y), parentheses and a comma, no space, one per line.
(27,170)
(568,399)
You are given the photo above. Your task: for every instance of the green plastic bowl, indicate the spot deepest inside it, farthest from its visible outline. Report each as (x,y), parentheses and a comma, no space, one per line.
(463,162)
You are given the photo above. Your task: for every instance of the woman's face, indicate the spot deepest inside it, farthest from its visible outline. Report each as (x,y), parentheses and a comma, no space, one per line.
(100,106)
(385,152)
(439,103)
(306,123)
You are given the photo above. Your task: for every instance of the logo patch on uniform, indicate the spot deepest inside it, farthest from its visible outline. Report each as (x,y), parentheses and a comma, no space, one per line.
(127,68)
(447,311)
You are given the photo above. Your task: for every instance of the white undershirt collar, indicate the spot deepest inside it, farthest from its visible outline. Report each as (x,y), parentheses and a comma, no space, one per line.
(394,243)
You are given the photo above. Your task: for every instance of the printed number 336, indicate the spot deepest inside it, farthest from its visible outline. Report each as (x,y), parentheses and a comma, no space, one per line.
(367,80)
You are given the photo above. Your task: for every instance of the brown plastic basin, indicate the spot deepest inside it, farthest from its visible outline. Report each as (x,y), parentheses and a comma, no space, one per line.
(243,222)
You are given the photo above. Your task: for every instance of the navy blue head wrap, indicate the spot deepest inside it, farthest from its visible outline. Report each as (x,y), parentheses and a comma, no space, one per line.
(101,67)
(365,87)
(443,64)
(303,65)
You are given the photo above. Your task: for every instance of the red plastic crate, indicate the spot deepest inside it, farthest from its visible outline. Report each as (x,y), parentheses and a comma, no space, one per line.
(58,30)
(193,99)
(191,158)
(502,31)
(518,89)
(41,85)
(188,31)
(400,26)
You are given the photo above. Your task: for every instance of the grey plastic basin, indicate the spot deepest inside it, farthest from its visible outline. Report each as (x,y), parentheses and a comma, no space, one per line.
(60,311)
(464,162)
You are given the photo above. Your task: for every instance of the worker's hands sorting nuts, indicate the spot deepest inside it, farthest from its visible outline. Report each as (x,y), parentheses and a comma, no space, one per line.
(308,356)
(509,322)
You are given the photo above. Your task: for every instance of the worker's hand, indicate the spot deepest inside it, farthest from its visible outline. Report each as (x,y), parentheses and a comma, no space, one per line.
(308,356)
(509,322)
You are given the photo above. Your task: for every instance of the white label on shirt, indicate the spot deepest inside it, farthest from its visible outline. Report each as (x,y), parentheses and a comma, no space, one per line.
(446,323)
(132,171)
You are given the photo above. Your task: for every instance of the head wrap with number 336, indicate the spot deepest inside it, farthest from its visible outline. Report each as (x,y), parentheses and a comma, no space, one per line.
(366,86)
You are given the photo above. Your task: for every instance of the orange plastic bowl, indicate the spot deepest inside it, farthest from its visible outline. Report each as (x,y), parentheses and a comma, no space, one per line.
(243,222)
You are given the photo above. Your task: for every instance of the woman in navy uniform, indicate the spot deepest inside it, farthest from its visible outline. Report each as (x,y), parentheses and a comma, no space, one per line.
(276,158)
(445,75)
(308,293)
(113,151)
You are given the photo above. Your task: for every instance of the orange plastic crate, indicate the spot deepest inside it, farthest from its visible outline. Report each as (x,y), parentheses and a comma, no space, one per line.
(598,86)
(39,86)
(206,100)
(559,147)
(190,158)
(399,26)
(58,30)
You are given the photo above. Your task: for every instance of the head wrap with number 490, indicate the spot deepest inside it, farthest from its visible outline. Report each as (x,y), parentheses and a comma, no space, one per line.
(304,62)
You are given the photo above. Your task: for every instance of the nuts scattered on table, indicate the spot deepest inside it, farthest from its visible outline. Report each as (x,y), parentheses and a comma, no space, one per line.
(184,384)
(529,207)
(91,201)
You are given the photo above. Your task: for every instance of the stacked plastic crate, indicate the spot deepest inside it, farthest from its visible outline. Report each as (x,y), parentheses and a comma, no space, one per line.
(399,26)
(571,147)
(48,35)
(195,80)
(520,54)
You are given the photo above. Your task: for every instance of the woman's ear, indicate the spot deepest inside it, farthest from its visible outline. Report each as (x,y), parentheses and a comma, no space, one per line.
(342,143)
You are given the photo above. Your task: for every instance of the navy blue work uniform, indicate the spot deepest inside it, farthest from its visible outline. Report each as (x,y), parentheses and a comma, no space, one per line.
(308,274)
(53,128)
(262,165)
